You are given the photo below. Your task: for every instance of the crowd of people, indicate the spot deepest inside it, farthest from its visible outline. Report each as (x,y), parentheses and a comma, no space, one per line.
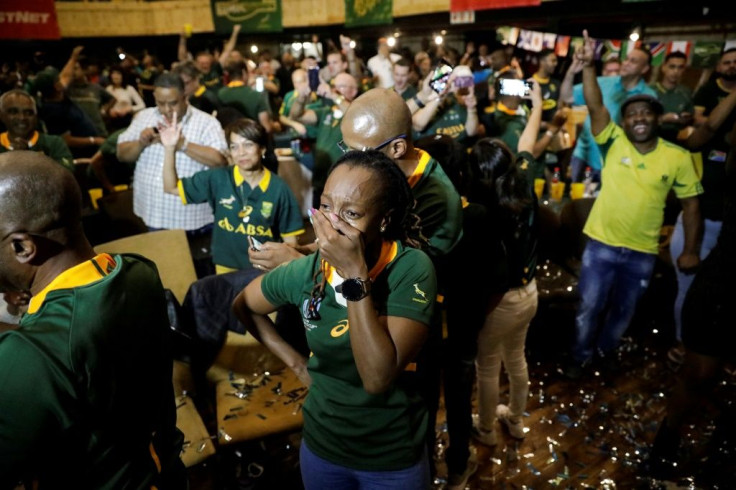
(422,170)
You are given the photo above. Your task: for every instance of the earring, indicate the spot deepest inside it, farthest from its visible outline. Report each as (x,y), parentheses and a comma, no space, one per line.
(383,228)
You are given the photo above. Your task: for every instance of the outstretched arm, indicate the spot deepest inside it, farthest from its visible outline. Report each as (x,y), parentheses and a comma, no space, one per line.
(599,116)
(705,132)
(65,77)
(229,46)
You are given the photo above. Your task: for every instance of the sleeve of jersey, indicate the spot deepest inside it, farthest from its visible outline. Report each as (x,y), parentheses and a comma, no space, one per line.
(686,183)
(60,152)
(263,105)
(196,189)
(290,215)
(281,285)
(26,406)
(605,139)
(413,287)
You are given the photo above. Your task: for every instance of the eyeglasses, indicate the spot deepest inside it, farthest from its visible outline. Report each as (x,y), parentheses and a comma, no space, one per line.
(345,148)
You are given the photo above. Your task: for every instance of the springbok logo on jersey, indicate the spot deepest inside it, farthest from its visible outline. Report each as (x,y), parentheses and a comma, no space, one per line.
(421,293)
(227,202)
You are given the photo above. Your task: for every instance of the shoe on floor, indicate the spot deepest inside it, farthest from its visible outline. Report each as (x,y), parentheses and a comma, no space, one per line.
(458,481)
(486,437)
(516,429)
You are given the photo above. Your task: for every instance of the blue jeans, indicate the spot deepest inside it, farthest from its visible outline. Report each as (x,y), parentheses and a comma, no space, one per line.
(320,474)
(613,277)
(710,237)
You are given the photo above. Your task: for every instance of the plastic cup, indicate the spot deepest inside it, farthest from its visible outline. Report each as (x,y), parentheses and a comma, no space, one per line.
(557,190)
(539,187)
(94,194)
(577,190)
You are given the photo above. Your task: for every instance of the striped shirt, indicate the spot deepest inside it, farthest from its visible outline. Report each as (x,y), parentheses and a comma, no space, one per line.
(156,208)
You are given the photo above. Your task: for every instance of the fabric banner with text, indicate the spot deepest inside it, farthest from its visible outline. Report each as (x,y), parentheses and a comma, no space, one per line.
(28,19)
(368,12)
(252,15)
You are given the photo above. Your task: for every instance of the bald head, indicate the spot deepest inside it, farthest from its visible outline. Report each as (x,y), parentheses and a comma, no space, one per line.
(346,84)
(37,194)
(374,117)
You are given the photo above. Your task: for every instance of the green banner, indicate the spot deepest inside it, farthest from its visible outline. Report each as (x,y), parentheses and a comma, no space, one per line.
(706,54)
(252,15)
(368,12)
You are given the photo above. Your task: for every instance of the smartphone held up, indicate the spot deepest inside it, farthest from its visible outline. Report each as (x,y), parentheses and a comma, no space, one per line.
(514,87)
(440,76)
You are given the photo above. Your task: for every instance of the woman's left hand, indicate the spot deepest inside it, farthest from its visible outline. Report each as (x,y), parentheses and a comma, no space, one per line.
(340,244)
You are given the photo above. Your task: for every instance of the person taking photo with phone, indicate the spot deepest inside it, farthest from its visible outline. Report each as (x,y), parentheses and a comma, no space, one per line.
(452,109)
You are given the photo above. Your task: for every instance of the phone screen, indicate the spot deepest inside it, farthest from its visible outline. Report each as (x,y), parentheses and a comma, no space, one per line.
(313,78)
(254,244)
(510,86)
(440,75)
(259,84)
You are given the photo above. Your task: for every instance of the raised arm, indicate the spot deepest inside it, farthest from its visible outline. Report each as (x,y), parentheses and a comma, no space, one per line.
(354,65)
(529,136)
(170,136)
(181,53)
(566,87)
(599,116)
(704,132)
(299,111)
(67,73)
(229,46)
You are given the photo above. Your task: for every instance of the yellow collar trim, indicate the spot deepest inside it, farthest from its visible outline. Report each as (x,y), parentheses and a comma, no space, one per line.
(421,167)
(236,83)
(5,140)
(501,107)
(263,183)
(200,91)
(82,274)
(719,82)
(540,79)
(389,250)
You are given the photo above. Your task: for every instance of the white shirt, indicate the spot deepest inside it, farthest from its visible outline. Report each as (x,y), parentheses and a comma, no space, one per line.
(155,207)
(383,69)
(126,98)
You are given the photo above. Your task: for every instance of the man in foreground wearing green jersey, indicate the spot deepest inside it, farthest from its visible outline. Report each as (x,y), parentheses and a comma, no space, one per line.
(87,399)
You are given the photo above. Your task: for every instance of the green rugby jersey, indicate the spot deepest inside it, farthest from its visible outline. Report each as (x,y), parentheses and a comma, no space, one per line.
(342,422)
(268,212)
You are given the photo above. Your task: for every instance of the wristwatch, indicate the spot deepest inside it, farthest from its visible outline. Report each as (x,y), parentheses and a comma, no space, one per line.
(355,289)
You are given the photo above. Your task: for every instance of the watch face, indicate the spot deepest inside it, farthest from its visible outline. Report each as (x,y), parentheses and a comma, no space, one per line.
(353,289)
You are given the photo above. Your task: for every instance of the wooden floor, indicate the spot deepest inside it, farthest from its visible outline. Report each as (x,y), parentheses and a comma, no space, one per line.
(591,433)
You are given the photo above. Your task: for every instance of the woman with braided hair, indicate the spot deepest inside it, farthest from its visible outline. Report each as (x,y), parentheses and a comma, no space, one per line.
(366,298)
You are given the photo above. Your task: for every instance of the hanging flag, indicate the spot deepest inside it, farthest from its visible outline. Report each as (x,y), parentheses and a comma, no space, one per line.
(251,15)
(611,49)
(465,17)
(549,40)
(598,48)
(369,12)
(514,36)
(503,34)
(562,46)
(627,47)
(658,51)
(706,54)
(525,39)
(460,5)
(28,19)
(537,41)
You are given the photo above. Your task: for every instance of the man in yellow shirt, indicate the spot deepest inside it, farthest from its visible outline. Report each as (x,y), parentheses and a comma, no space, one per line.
(639,169)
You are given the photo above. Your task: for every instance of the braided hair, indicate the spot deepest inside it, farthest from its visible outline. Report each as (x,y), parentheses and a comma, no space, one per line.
(396,195)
